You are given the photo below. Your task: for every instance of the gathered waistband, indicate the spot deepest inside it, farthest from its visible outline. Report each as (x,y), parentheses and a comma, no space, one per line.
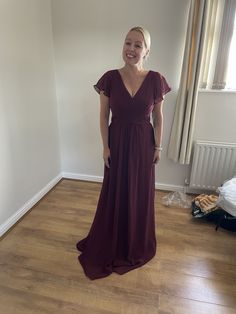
(131,120)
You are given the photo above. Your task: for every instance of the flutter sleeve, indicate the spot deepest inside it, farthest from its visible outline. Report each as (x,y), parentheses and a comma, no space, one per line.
(104,84)
(161,88)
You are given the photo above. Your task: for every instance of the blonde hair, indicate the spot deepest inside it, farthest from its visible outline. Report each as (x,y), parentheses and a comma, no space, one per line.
(146,37)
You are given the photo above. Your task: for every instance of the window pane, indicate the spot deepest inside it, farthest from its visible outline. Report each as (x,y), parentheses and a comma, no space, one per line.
(231,71)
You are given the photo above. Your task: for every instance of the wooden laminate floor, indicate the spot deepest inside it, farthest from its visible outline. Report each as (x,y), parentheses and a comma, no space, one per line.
(194,270)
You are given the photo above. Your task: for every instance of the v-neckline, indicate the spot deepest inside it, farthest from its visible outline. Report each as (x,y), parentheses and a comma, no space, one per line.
(132,97)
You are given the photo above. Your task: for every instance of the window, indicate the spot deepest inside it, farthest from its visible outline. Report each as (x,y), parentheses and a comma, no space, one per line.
(231,69)
(218,69)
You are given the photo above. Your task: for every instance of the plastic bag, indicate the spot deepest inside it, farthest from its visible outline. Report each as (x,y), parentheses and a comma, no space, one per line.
(227,196)
(178,199)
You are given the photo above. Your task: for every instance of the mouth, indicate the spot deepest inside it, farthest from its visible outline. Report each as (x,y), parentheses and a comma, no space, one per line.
(130,56)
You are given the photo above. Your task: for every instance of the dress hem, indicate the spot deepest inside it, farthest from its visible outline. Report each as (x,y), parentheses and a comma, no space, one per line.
(120,270)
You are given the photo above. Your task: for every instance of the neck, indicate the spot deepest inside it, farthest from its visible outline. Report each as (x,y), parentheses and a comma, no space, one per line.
(133,69)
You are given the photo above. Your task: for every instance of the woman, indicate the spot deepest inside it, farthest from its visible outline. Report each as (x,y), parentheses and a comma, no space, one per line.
(122,235)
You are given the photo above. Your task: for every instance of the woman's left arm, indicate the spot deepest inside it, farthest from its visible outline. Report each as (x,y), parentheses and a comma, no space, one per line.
(157,117)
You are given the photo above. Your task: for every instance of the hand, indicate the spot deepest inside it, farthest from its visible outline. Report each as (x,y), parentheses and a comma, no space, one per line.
(157,156)
(106,157)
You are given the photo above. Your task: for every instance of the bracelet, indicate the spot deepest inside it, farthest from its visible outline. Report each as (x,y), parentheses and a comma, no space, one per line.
(158,148)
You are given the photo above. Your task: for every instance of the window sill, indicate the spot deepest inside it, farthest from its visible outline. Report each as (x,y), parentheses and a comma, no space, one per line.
(203,90)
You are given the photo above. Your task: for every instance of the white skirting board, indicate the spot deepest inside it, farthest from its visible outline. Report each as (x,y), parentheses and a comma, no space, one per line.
(84,177)
(66,175)
(28,205)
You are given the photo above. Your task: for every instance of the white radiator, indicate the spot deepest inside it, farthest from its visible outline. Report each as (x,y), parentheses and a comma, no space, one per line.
(213,163)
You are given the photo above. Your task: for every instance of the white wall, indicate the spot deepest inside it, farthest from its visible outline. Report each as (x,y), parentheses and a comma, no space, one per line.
(29,150)
(88,40)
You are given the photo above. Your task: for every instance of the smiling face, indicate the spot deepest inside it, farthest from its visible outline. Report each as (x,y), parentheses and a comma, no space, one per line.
(134,48)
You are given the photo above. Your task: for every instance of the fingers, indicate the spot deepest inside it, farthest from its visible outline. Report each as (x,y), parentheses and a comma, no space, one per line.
(156,159)
(107,162)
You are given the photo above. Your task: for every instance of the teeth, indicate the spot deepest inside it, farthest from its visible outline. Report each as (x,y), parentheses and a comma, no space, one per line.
(130,56)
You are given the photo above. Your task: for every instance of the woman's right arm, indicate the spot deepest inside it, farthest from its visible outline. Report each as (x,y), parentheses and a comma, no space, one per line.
(104,122)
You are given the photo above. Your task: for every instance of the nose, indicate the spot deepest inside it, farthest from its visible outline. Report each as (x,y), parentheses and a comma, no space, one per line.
(131,48)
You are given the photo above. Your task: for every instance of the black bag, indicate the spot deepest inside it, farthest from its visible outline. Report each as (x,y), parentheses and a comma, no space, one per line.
(218,216)
(224,220)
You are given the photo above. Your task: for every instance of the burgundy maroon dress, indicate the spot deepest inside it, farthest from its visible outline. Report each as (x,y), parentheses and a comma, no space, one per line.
(122,235)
